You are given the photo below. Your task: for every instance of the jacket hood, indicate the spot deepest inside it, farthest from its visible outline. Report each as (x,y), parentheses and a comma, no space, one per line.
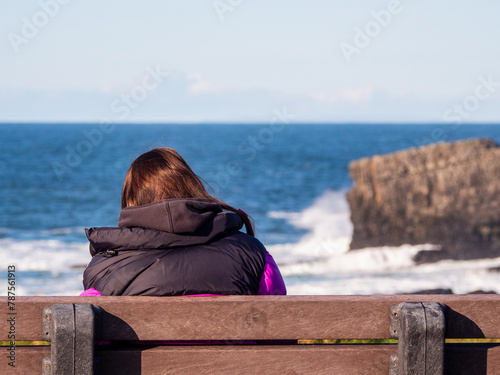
(165,224)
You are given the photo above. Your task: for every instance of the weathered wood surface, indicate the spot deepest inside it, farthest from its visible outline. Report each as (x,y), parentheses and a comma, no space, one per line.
(251,360)
(307,359)
(472,359)
(154,318)
(28,361)
(258,317)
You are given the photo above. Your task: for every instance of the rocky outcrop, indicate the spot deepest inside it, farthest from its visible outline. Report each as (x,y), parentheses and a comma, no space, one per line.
(446,194)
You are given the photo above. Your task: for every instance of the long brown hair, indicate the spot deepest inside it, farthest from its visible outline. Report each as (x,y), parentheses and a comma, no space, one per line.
(163,174)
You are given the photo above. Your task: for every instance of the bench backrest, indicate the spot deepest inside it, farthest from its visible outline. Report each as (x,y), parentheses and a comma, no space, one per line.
(128,320)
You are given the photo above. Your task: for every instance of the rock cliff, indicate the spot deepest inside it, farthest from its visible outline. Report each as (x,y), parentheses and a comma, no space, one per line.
(446,194)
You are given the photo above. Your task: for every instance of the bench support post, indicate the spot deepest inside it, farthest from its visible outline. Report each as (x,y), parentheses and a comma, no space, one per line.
(420,330)
(72,330)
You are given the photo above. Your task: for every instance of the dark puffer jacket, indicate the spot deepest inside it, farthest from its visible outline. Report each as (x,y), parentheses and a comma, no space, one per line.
(178,247)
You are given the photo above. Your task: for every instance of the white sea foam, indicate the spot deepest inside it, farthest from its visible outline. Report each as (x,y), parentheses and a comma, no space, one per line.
(329,230)
(44,267)
(43,255)
(320,262)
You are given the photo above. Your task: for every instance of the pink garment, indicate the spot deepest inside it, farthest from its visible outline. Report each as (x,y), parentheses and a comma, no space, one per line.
(90,292)
(271,282)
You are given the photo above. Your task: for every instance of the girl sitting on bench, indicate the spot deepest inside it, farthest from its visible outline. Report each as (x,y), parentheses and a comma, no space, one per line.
(175,239)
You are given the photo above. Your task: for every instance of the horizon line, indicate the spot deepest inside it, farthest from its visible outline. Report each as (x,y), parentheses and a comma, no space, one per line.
(248,123)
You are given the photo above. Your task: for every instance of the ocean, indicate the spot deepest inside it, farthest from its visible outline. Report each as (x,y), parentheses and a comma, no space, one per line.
(57,179)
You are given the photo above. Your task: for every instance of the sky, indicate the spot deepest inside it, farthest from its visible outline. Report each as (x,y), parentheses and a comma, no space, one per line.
(234,61)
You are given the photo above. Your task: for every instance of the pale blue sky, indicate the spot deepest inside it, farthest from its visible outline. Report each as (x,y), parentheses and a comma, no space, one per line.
(257,56)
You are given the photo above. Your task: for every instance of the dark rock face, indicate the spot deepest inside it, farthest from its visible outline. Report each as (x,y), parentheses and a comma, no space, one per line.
(446,194)
(433,291)
(431,256)
(448,291)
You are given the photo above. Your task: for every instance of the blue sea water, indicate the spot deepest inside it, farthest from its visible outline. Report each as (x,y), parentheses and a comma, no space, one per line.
(57,179)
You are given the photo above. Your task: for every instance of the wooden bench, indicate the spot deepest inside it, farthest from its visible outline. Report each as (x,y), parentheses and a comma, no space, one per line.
(74,323)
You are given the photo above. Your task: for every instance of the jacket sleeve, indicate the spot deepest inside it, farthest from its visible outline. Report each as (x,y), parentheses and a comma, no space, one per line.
(271,282)
(90,292)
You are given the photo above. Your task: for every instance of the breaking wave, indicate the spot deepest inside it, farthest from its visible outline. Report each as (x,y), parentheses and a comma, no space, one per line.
(320,262)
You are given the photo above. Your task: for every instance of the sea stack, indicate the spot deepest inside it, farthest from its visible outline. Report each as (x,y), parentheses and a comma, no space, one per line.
(446,194)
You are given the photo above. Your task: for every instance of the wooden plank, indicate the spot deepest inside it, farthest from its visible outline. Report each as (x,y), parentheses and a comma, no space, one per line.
(222,359)
(246,359)
(28,360)
(460,359)
(472,359)
(258,317)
